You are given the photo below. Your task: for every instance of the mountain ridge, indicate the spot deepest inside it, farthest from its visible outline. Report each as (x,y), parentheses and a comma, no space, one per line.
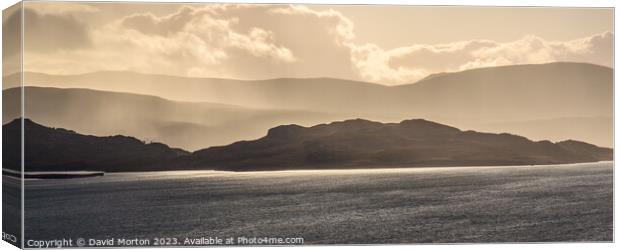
(441,74)
(432,75)
(526,85)
(415,142)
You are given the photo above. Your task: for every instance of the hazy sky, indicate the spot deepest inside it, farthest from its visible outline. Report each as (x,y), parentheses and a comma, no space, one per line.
(384,44)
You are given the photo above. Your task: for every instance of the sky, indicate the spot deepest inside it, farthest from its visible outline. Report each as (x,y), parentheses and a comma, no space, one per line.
(383,44)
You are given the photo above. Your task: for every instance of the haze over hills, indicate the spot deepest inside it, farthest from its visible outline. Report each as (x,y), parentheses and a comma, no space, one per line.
(517,92)
(187,125)
(596,130)
(321,94)
(346,144)
(555,101)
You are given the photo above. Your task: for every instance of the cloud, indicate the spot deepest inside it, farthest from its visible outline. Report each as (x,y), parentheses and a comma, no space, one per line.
(44,32)
(268,41)
(531,49)
(11,31)
(411,63)
(148,23)
(11,42)
(596,49)
(236,41)
(61,8)
(198,40)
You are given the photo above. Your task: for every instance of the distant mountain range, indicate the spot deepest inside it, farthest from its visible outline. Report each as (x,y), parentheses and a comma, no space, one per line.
(346,144)
(556,101)
(519,92)
(516,92)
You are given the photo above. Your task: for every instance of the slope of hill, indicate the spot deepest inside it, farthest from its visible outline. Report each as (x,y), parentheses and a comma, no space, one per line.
(56,149)
(366,144)
(515,93)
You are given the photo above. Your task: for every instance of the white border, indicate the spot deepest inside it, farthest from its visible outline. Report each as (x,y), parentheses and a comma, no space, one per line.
(555,3)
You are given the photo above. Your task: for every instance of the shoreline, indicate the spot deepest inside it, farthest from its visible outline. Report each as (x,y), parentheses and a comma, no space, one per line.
(52,174)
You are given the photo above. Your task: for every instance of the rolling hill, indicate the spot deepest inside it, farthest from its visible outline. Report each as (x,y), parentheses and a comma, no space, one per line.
(515,93)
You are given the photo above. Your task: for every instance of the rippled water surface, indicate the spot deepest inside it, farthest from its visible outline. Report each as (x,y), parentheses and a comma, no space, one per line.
(456,204)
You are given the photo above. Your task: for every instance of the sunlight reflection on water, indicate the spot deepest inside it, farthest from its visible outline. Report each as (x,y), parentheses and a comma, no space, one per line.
(187,174)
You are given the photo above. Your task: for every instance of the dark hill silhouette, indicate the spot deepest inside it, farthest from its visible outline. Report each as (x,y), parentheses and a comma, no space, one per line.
(366,144)
(57,149)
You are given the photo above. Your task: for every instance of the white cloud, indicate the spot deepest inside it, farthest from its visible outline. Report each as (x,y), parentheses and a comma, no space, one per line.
(411,63)
(270,41)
